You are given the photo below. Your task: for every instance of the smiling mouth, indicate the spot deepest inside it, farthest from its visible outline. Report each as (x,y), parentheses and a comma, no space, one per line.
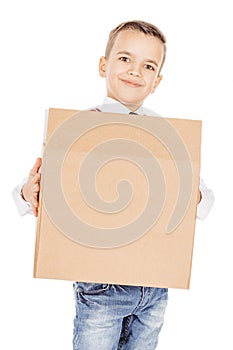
(131,83)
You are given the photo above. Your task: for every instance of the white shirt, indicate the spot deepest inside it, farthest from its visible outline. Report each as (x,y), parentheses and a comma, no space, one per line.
(112,106)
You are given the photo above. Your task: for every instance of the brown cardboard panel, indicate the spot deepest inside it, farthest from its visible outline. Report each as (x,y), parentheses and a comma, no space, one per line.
(118,199)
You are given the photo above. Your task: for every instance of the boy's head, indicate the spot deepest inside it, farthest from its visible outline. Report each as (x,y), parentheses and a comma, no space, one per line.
(134,57)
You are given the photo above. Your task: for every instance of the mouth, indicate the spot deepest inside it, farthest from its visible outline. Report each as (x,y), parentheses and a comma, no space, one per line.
(130,83)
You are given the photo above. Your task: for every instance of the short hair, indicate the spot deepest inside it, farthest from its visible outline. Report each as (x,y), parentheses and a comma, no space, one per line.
(137,26)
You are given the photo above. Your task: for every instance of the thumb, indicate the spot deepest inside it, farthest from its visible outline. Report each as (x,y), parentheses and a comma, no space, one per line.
(36,167)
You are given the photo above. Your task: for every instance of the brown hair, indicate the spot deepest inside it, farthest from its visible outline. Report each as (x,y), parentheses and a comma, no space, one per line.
(137,26)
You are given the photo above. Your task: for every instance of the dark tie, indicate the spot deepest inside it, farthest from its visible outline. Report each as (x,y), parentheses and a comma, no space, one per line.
(133,113)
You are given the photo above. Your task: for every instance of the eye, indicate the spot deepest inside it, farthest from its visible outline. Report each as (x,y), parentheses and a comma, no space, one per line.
(148,66)
(124,59)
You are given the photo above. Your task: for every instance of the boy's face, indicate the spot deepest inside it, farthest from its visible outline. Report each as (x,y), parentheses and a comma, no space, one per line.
(132,68)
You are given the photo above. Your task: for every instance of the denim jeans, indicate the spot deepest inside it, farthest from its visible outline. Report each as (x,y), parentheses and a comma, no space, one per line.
(114,317)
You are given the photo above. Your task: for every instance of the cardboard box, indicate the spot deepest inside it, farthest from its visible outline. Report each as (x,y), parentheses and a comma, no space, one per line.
(118,199)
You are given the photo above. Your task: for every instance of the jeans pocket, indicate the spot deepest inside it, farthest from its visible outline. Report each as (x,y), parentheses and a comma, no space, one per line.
(89,292)
(91,288)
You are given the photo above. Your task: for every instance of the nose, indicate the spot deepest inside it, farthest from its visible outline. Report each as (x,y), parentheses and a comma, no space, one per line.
(134,71)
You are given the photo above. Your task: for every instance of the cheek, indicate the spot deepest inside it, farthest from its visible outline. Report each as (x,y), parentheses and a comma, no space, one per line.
(117,68)
(111,72)
(151,81)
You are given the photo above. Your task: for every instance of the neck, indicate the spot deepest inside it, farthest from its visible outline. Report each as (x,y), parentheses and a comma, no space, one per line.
(131,107)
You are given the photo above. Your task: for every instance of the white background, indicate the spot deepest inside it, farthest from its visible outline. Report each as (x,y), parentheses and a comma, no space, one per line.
(49,58)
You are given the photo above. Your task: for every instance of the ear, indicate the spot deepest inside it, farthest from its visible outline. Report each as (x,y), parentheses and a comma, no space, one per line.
(102,67)
(158,80)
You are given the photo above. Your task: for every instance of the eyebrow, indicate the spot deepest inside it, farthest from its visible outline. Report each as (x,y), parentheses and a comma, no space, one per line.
(130,54)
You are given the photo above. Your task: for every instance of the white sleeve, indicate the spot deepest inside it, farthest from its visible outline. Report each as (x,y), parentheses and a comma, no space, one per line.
(22,206)
(207,201)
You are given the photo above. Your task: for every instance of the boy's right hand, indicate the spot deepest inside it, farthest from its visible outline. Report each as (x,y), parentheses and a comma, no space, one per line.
(31,188)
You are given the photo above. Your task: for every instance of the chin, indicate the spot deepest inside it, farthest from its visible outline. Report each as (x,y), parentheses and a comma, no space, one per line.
(130,101)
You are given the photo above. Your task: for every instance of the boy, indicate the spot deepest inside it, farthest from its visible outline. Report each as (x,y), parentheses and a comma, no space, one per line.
(111,317)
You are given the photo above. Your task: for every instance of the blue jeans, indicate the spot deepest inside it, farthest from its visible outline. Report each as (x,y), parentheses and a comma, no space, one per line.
(114,317)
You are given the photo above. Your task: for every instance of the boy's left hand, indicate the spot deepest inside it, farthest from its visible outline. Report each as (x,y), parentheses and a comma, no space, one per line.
(199,197)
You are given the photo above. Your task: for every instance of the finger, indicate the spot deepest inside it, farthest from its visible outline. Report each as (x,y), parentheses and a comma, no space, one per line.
(34,205)
(33,200)
(36,199)
(36,178)
(34,209)
(36,188)
(35,169)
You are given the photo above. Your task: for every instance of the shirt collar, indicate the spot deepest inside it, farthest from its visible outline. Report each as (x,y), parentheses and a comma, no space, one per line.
(111,105)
